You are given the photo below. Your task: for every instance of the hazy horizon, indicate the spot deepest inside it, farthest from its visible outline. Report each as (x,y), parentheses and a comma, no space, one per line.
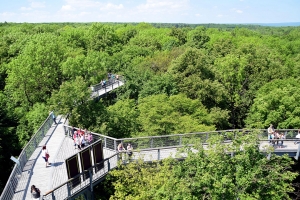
(152,11)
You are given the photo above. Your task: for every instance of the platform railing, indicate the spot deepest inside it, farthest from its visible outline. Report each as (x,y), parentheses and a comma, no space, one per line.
(189,138)
(109,85)
(12,182)
(150,149)
(84,180)
(140,144)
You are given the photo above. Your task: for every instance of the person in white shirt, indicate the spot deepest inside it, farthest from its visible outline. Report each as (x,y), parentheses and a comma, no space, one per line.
(297,137)
(82,141)
(271,131)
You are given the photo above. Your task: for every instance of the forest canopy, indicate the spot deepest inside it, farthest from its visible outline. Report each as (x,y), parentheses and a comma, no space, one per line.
(179,78)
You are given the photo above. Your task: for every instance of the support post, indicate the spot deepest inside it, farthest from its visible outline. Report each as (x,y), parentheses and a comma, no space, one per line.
(53,196)
(180,140)
(105,142)
(158,154)
(151,143)
(298,151)
(269,156)
(69,189)
(91,180)
(35,143)
(115,145)
(108,165)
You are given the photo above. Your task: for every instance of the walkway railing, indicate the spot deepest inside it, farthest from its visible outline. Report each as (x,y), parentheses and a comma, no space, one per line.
(26,153)
(84,180)
(110,84)
(159,147)
(190,138)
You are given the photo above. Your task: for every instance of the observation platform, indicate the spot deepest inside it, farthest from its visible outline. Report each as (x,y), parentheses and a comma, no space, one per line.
(99,89)
(53,181)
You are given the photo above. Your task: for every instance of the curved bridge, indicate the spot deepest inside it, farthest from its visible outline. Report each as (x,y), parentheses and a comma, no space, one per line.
(53,181)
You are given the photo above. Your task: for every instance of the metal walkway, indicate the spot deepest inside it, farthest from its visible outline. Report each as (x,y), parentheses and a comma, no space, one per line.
(53,181)
(99,89)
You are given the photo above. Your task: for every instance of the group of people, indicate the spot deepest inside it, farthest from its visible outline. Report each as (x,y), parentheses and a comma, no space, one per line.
(128,150)
(111,77)
(81,138)
(275,137)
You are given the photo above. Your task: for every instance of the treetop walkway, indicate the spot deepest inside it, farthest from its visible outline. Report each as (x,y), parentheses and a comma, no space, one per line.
(54,183)
(100,89)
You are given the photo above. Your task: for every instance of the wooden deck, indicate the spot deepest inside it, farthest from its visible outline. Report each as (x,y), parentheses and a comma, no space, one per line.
(61,147)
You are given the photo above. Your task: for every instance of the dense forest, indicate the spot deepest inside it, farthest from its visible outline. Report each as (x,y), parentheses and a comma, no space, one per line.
(179,78)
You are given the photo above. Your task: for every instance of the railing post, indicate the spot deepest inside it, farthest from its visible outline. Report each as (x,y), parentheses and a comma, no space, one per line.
(180,140)
(53,196)
(105,142)
(115,145)
(108,165)
(151,143)
(158,154)
(91,180)
(69,188)
(298,151)
(35,143)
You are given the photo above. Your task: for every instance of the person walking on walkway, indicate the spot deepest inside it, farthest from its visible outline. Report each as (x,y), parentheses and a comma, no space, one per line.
(53,116)
(35,192)
(297,137)
(45,155)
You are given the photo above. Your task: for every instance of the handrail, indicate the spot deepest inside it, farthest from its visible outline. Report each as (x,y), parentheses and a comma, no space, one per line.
(12,182)
(141,144)
(94,176)
(108,83)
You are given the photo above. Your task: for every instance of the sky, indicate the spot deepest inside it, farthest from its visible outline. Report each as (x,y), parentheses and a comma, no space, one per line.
(152,11)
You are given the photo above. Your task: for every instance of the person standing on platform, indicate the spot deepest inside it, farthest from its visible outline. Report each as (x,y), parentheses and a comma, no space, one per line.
(297,137)
(271,131)
(35,192)
(53,116)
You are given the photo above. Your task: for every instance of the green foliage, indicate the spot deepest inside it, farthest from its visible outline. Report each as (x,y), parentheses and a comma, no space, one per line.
(36,71)
(179,78)
(197,38)
(163,115)
(277,103)
(209,174)
(70,95)
(103,38)
(195,77)
(122,120)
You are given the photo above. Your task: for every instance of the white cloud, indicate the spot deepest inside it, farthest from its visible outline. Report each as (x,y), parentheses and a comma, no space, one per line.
(7,14)
(25,8)
(67,8)
(89,5)
(197,15)
(239,11)
(163,6)
(37,4)
(110,6)
(220,15)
